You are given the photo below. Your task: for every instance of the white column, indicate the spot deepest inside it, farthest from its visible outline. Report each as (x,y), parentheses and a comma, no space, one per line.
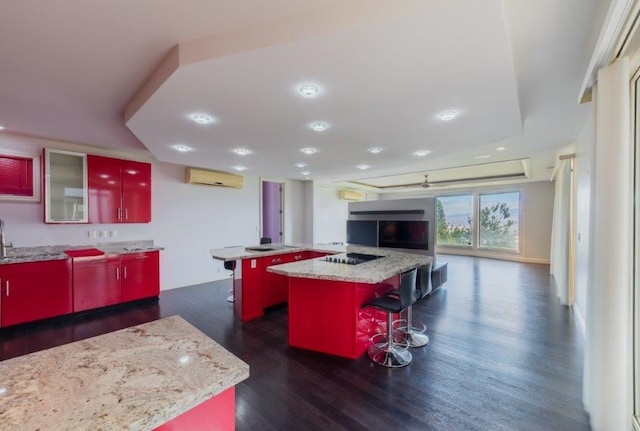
(608,372)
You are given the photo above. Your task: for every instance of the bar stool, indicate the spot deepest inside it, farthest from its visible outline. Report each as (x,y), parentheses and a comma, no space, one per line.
(389,353)
(230,265)
(414,329)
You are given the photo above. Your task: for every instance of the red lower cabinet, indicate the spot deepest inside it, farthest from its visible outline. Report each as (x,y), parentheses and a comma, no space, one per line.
(96,282)
(215,414)
(248,290)
(107,280)
(140,275)
(38,290)
(35,290)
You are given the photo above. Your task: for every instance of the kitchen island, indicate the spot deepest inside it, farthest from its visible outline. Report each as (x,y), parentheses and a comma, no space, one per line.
(325,294)
(161,375)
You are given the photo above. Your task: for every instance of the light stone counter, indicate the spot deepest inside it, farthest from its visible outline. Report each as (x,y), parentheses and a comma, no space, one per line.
(133,379)
(375,271)
(57,252)
(239,253)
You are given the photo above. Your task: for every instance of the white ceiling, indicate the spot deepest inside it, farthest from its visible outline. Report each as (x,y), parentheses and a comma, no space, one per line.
(512,69)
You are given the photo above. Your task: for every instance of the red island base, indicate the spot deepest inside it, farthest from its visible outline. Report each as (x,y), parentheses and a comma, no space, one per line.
(327,316)
(215,414)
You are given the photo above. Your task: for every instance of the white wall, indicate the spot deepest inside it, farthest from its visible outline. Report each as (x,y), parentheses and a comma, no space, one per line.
(188,220)
(584,167)
(329,215)
(536,218)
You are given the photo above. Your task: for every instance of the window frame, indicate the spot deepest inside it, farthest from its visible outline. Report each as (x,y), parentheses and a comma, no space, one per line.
(473,219)
(36,177)
(475,244)
(498,249)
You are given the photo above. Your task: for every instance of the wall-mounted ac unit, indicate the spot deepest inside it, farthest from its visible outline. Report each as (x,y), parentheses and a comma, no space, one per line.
(213,178)
(351,195)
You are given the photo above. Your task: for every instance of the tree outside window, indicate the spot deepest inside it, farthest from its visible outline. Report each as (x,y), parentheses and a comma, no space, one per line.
(454,220)
(499,221)
(497,218)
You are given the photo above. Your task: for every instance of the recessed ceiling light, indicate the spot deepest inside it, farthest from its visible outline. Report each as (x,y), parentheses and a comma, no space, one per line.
(482,156)
(319,126)
(202,118)
(300,165)
(182,148)
(447,115)
(363,167)
(305,173)
(240,168)
(1,127)
(309,150)
(421,153)
(501,148)
(309,91)
(375,150)
(241,151)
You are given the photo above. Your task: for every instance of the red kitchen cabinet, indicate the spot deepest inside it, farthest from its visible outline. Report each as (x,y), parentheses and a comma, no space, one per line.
(275,286)
(119,190)
(136,192)
(248,302)
(310,254)
(96,282)
(35,290)
(140,275)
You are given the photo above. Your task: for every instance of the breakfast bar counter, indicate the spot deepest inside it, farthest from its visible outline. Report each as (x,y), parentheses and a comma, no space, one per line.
(326,288)
(160,375)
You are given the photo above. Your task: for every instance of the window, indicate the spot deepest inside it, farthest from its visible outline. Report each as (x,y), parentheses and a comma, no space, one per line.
(455,220)
(19,179)
(499,221)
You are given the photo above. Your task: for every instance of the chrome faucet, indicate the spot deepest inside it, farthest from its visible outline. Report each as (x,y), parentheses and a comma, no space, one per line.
(3,241)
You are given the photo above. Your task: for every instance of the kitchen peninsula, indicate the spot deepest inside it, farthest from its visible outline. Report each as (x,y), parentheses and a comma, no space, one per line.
(159,376)
(325,287)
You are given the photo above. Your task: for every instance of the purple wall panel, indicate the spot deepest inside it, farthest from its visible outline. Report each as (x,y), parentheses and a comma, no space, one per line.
(271,205)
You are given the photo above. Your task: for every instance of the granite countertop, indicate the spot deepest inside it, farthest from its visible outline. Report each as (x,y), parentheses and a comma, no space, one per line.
(57,252)
(374,271)
(240,252)
(134,379)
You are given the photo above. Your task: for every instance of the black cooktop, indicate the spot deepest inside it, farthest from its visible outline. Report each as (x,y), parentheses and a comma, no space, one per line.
(351,258)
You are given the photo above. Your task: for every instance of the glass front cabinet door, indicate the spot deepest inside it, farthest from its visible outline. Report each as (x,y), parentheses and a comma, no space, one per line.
(65,187)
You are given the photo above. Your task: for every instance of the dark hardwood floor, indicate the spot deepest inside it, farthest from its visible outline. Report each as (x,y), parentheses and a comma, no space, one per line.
(503,355)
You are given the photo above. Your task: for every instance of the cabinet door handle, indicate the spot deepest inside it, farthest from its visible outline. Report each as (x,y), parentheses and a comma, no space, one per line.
(6,287)
(119,214)
(126,213)
(118,273)
(124,272)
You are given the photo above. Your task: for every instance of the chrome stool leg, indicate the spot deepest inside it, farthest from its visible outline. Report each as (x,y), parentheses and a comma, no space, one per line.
(414,338)
(388,353)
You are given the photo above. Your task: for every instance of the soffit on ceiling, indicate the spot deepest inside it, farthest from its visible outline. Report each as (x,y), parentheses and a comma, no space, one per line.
(383,80)
(494,172)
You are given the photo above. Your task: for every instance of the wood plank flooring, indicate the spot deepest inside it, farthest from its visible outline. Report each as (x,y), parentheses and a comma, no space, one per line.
(503,355)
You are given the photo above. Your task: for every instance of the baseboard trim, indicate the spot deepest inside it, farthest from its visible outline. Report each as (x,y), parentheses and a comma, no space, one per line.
(493,255)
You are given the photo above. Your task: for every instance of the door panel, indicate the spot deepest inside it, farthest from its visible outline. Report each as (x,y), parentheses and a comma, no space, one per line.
(272,211)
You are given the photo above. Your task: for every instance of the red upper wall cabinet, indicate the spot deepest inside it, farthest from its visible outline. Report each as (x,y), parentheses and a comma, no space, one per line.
(119,190)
